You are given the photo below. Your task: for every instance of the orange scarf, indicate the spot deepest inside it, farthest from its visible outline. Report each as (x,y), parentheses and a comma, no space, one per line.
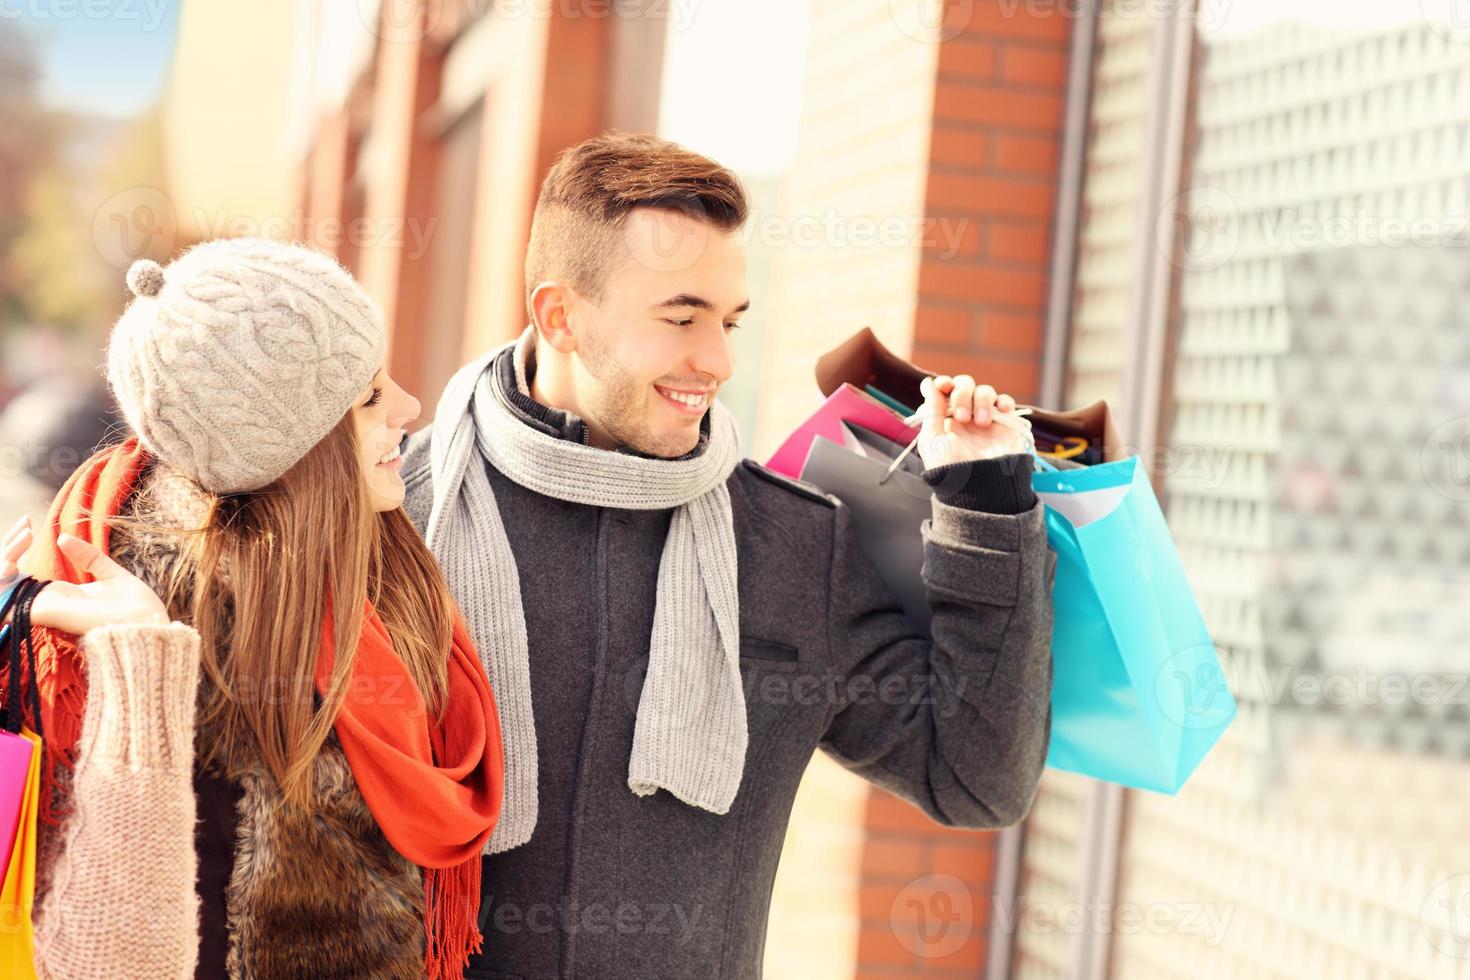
(435,789)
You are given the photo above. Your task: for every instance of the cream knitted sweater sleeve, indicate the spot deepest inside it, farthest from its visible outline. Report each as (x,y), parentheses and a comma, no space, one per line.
(122,898)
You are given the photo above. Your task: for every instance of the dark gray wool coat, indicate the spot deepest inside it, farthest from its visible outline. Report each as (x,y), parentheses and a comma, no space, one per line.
(616,885)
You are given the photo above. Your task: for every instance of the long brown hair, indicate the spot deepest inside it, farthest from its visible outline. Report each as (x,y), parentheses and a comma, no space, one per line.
(258,578)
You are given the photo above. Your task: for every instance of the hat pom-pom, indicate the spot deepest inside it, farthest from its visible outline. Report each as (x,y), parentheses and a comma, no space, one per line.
(145,277)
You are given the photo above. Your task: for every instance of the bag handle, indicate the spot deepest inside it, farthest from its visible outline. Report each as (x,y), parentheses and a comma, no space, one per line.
(9,653)
(17,638)
(1011,420)
(8,599)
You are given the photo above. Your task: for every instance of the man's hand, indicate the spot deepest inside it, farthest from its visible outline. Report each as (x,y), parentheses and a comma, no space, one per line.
(960,424)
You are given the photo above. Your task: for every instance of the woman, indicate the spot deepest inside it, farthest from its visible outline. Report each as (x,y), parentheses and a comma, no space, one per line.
(343,762)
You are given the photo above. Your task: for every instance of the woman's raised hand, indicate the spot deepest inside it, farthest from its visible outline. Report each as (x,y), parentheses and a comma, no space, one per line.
(115,598)
(12,546)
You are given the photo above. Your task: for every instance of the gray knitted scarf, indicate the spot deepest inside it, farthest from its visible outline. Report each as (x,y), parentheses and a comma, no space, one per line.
(690,734)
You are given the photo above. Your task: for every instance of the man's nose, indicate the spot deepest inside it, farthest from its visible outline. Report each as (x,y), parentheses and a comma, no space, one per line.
(715,356)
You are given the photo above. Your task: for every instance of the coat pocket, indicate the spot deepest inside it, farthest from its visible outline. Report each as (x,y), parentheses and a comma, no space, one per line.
(758,649)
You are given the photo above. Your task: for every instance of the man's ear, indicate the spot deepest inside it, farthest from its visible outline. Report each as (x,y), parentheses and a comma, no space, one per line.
(551,313)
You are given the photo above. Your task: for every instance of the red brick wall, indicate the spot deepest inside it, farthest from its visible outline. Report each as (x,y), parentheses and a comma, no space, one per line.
(548,91)
(998,107)
(922,897)
(990,203)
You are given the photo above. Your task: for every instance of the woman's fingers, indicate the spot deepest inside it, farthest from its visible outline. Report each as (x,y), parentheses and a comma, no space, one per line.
(20,527)
(57,606)
(10,562)
(1005,403)
(16,546)
(10,553)
(87,557)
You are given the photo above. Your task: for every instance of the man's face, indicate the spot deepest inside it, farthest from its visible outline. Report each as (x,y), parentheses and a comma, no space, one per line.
(652,354)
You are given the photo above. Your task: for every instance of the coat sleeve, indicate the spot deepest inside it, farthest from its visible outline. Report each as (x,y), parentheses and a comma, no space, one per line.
(956,722)
(122,885)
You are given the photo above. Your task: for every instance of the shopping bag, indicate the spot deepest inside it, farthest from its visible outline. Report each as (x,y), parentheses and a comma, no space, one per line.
(845,403)
(18,892)
(1138,695)
(15,751)
(887,510)
(15,763)
(20,784)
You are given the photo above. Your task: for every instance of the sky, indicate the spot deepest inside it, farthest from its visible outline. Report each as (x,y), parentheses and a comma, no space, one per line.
(104,57)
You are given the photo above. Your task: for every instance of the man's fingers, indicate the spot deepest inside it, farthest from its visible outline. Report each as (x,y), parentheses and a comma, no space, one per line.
(984,403)
(963,398)
(1005,403)
(936,406)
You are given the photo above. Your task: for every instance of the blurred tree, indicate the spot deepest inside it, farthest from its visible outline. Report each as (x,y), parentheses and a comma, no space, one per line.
(81,227)
(27,145)
(52,262)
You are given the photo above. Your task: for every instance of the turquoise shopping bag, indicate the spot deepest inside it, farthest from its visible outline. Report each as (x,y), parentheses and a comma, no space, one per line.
(1138,694)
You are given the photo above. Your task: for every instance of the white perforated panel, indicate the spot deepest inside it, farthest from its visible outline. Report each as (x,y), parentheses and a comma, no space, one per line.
(1316,357)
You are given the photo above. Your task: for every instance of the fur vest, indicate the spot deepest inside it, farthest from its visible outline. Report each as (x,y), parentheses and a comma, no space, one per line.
(283,894)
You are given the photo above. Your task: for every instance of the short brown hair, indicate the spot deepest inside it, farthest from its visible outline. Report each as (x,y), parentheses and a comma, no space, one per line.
(592,187)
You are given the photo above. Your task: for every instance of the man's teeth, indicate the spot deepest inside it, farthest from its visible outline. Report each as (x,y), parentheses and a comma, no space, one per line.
(391,456)
(694,401)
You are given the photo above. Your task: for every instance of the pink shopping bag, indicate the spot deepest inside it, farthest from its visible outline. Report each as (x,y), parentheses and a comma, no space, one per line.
(846,404)
(15,767)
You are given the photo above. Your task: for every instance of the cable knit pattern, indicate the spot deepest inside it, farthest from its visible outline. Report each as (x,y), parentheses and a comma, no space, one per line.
(240,356)
(690,737)
(120,898)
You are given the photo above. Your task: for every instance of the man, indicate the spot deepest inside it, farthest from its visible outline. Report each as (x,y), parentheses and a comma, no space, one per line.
(671,631)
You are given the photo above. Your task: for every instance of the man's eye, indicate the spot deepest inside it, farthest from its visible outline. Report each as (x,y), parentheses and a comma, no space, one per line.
(681,323)
(732,326)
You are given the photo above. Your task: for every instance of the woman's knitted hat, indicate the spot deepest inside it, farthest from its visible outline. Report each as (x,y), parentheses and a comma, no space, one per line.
(239,357)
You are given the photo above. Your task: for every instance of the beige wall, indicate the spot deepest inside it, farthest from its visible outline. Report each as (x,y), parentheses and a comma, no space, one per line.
(224,115)
(863,155)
